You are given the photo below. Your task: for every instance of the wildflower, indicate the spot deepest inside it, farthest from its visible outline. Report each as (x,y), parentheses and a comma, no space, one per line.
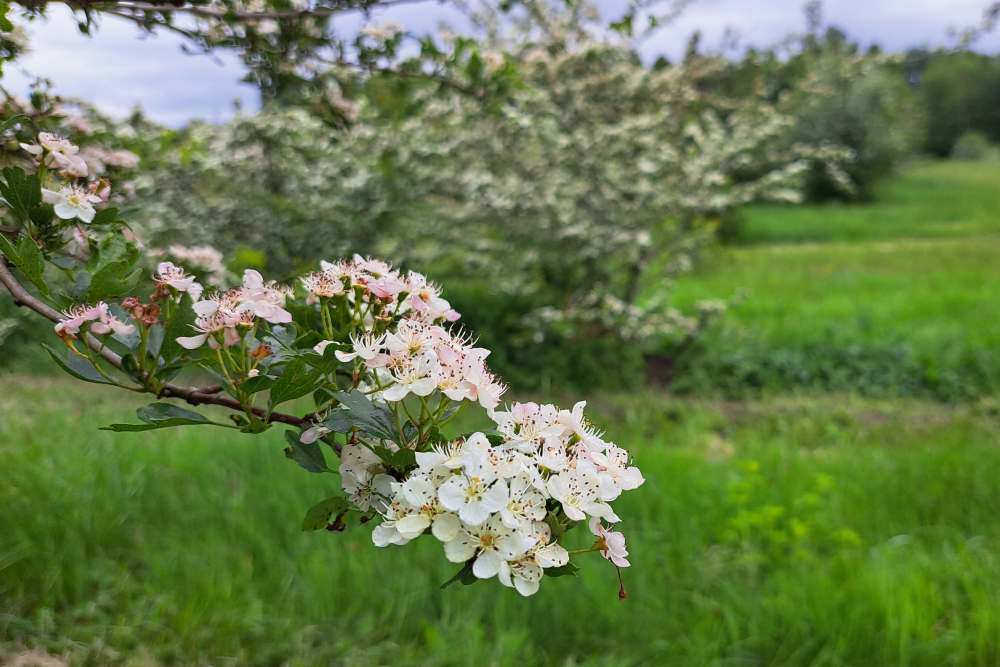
(477,493)
(387,533)
(576,423)
(412,376)
(420,493)
(368,347)
(266,301)
(174,277)
(579,492)
(72,201)
(525,505)
(614,543)
(491,544)
(76,317)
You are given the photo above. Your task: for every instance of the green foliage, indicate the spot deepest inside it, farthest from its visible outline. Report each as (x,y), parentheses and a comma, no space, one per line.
(318,516)
(307,454)
(975,146)
(959,92)
(892,298)
(185,546)
(22,194)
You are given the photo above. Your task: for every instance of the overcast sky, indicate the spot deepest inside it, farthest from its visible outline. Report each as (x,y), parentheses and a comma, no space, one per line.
(118,68)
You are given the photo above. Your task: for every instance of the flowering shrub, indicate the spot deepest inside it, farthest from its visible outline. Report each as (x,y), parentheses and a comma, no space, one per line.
(377,350)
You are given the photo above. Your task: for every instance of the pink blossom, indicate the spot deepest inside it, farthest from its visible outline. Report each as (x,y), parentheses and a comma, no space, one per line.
(615,543)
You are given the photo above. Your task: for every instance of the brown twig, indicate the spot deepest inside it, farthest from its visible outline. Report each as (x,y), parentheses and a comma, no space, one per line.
(193,395)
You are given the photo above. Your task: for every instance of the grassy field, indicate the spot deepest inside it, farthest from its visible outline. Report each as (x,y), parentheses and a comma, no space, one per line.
(916,272)
(827,531)
(806,529)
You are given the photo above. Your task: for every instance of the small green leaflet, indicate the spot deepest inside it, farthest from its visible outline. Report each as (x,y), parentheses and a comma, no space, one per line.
(567,570)
(28,258)
(319,515)
(465,575)
(21,192)
(308,455)
(295,381)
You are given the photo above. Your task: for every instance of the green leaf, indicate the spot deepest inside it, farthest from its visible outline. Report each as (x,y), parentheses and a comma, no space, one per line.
(9,251)
(294,382)
(164,415)
(465,575)
(399,459)
(32,263)
(255,425)
(76,366)
(21,192)
(567,570)
(81,287)
(180,326)
(369,419)
(130,367)
(496,439)
(558,530)
(257,384)
(318,516)
(105,217)
(112,281)
(308,456)
(19,118)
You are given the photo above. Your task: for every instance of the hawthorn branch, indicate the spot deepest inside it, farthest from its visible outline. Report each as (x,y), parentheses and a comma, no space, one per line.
(181,7)
(193,395)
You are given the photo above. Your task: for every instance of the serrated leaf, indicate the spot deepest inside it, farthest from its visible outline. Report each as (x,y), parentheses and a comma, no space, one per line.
(81,287)
(369,419)
(255,425)
(295,381)
(21,192)
(105,217)
(308,455)
(9,251)
(567,570)
(180,326)
(318,516)
(112,281)
(130,367)
(257,384)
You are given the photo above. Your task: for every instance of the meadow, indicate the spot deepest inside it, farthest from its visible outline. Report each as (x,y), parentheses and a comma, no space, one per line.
(799,528)
(894,297)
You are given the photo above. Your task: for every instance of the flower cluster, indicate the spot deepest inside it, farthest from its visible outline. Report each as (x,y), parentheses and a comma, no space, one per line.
(96,318)
(222,315)
(494,505)
(72,199)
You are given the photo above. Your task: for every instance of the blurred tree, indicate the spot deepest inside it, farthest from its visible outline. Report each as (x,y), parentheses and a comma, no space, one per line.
(960,92)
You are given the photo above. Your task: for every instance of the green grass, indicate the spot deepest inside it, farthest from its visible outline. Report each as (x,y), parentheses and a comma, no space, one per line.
(911,279)
(926,200)
(793,532)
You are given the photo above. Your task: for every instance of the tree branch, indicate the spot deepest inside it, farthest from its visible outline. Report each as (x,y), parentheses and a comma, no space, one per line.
(175,6)
(193,395)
